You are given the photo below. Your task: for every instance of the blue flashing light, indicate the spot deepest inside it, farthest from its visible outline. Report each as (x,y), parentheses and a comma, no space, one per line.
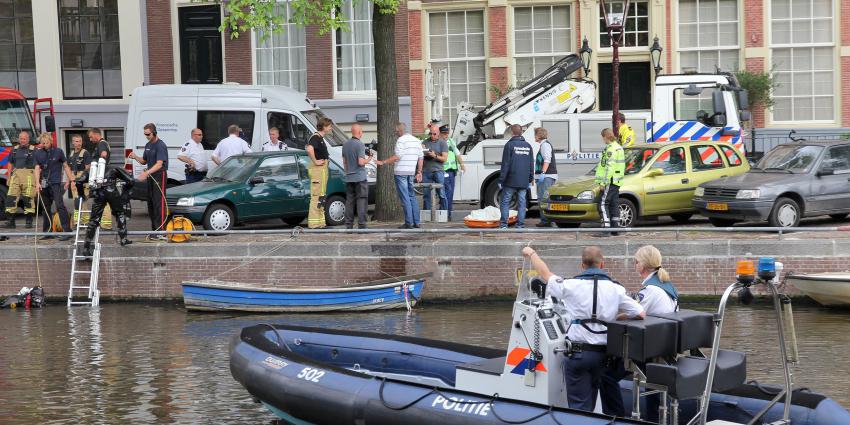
(767,264)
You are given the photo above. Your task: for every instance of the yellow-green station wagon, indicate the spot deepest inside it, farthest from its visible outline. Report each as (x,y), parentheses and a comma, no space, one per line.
(660,180)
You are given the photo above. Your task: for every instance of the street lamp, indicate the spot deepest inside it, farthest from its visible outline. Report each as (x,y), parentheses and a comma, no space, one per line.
(615,15)
(655,52)
(585,53)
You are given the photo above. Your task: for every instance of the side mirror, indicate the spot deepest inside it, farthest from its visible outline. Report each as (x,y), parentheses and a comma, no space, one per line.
(655,172)
(49,124)
(743,99)
(256,180)
(744,116)
(825,172)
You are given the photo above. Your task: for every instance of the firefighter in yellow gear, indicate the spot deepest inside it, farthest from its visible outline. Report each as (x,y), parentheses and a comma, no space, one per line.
(609,176)
(627,135)
(21,169)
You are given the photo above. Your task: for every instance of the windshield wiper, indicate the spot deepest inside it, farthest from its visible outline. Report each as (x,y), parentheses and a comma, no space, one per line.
(778,169)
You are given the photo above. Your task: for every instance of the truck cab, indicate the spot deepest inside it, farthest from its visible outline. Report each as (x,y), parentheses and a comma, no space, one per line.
(15,117)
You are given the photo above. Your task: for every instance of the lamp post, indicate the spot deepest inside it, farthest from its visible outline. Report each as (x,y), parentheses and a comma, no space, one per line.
(655,52)
(615,20)
(585,53)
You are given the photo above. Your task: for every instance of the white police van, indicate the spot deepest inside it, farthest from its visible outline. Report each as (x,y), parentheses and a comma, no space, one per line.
(177,109)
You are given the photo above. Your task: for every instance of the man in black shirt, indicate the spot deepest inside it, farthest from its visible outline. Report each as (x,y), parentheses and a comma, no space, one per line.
(48,180)
(318,171)
(101,149)
(80,161)
(156,159)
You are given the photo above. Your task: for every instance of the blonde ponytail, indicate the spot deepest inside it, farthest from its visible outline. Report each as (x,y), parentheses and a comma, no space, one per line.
(650,258)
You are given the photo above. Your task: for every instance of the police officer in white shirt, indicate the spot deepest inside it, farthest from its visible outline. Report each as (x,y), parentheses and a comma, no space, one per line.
(590,299)
(229,146)
(192,153)
(657,294)
(274,144)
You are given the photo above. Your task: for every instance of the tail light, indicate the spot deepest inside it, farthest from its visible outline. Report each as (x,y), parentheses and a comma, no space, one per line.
(127,164)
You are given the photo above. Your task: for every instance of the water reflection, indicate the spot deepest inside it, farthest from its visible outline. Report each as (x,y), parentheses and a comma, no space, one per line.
(136,363)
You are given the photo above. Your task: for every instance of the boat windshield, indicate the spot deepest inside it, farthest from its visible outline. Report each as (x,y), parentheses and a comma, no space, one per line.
(336,137)
(636,158)
(14,118)
(796,159)
(233,169)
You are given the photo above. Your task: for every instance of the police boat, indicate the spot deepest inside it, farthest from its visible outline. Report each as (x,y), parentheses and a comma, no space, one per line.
(328,376)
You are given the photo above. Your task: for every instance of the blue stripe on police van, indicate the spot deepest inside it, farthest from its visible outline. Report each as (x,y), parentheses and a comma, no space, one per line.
(649,125)
(684,129)
(663,130)
(700,132)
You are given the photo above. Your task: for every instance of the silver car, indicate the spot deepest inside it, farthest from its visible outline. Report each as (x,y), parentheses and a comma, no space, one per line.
(792,181)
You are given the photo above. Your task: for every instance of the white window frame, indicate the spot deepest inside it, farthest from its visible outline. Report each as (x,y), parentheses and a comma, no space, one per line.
(792,45)
(716,48)
(288,28)
(552,27)
(452,103)
(603,32)
(349,14)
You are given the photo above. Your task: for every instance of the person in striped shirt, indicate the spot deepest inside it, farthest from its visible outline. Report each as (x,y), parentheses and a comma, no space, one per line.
(408,158)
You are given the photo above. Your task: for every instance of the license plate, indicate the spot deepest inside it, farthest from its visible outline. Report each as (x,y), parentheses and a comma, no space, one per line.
(717,206)
(559,207)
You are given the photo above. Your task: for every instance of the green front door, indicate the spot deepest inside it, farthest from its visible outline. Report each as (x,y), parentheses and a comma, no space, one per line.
(273,196)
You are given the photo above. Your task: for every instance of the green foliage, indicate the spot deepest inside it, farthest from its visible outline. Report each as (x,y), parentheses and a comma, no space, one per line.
(498,91)
(265,15)
(759,86)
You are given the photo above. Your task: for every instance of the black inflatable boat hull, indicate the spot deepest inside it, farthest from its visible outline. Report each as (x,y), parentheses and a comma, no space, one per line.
(324,376)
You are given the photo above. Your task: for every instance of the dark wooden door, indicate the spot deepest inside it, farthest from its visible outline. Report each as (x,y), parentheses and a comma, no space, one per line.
(635,92)
(200,45)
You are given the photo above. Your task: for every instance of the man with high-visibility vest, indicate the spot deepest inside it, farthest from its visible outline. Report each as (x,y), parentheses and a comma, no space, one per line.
(627,135)
(609,177)
(454,162)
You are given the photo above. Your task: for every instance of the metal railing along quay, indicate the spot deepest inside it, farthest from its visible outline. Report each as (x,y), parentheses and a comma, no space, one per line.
(297,231)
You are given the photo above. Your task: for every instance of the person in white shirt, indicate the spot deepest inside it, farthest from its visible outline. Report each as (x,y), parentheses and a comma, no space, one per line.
(657,294)
(590,299)
(229,146)
(192,153)
(408,155)
(274,144)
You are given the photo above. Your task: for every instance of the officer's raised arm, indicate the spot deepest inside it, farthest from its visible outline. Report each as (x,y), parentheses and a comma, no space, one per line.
(537,263)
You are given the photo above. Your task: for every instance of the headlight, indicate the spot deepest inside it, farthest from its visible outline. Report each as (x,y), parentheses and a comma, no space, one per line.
(699,191)
(586,195)
(186,202)
(748,194)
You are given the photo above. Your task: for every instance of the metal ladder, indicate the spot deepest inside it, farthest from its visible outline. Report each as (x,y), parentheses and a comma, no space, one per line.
(77,274)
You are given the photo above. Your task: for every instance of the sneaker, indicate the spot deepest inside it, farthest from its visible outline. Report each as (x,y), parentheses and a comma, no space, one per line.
(416,226)
(125,242)
(503,227)
(519,226)
(405,226)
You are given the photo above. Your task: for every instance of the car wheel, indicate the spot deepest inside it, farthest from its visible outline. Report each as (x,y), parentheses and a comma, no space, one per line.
(681,218)
(568,225)
(628,213)
(786,213)
(721,222)
(219,217)
(294,221)
(335,210)
(838,217)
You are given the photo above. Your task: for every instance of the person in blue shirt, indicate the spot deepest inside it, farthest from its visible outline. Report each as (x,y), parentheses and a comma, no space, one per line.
(156,160)
(516,176)
(48,181)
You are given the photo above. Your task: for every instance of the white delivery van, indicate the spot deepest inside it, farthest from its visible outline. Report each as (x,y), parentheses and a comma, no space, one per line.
(177,109)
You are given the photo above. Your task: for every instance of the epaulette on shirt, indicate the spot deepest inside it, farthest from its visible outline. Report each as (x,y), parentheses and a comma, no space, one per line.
(186,145)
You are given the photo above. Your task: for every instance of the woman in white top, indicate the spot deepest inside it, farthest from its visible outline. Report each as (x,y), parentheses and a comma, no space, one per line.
(657,294)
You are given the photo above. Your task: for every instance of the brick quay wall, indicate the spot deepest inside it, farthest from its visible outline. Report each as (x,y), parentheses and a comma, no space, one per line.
(461,269)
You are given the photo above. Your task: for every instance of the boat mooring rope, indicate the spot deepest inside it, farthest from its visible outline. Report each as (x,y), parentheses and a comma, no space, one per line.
(491,402)
(296,231)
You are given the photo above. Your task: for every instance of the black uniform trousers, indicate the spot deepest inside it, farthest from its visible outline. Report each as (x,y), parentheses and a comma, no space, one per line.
(101,197)
(356,192)
(583,372)
(609,206)
(52,194)
(157,210)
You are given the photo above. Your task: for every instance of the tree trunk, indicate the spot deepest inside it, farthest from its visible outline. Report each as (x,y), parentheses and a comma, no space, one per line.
(387,206)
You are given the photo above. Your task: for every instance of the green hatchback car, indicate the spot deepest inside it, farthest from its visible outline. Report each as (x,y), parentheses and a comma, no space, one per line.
(660,180)
(257,186)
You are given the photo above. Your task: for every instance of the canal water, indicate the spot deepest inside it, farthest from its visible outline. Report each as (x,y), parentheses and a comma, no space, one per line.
(136,363)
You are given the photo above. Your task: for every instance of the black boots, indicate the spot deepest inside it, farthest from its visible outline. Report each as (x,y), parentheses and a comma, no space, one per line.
(28,224)
(125,242)
(10,224)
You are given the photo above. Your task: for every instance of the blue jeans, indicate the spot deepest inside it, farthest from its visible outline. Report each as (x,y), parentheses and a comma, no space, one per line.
(449,186)
(541,189)
(404,187)
(433,177)
(505,206)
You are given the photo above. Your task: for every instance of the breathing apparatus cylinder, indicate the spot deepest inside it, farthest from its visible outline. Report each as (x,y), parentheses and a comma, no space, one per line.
(101,170)
(93,170)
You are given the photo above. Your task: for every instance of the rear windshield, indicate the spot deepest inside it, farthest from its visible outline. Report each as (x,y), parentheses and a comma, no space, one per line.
(790,159)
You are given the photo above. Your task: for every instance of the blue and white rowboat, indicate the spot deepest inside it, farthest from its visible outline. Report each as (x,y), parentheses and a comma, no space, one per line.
(377,295)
